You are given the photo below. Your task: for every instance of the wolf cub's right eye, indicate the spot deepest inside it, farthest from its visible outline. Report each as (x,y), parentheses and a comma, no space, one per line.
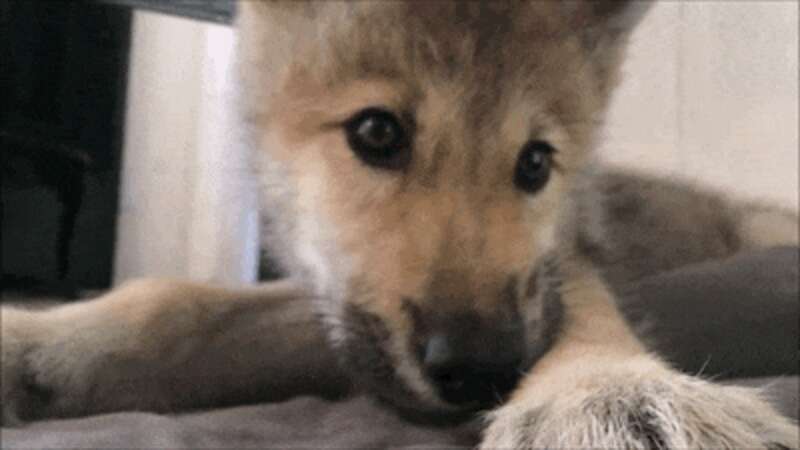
(378,138)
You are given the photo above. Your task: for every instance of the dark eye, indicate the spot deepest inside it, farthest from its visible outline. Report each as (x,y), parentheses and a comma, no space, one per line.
(533,166)
(378,138)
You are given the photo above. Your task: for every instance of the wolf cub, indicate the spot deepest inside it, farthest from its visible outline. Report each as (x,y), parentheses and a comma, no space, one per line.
(430,183)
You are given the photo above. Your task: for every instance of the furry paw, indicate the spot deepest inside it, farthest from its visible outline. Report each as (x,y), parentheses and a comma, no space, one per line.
(18,392)
(641,411)
(38,378)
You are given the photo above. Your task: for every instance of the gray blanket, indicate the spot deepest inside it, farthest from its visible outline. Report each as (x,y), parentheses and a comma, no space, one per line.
(733,318)
(303,423)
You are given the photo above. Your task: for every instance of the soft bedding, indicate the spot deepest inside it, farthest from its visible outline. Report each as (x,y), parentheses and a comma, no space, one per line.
(734,318)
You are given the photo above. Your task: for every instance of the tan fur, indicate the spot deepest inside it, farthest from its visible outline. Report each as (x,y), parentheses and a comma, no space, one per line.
(447,235)
(598,388)
(479,230)
(162,345)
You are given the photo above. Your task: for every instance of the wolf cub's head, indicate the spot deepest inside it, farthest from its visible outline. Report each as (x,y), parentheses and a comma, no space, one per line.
(417,161)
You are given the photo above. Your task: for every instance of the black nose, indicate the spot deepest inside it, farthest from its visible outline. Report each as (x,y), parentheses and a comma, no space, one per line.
(473,370)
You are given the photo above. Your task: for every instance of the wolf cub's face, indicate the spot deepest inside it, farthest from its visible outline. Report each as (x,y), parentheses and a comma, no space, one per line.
(417,161)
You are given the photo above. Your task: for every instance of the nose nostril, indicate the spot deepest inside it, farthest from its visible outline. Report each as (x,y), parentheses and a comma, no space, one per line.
(473,383)
(449,381)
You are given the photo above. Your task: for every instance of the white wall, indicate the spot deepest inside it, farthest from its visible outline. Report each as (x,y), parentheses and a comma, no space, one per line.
(187,203)
(711,95)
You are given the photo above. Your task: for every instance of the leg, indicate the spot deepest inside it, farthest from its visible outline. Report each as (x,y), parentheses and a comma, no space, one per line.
(162,345)
(629,228)
(598,388)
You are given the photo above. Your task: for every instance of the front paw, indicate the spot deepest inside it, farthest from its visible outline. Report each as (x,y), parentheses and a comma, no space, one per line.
(27,384)
(637,410)
(16,344)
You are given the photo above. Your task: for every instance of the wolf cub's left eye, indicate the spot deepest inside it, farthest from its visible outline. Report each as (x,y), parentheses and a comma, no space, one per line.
(533,166)
(378,138)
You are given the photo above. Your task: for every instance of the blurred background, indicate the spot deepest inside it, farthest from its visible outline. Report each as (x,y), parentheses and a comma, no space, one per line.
(121,158)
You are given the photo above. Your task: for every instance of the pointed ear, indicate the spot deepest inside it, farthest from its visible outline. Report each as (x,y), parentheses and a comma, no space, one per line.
(604,27)
(606,20)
